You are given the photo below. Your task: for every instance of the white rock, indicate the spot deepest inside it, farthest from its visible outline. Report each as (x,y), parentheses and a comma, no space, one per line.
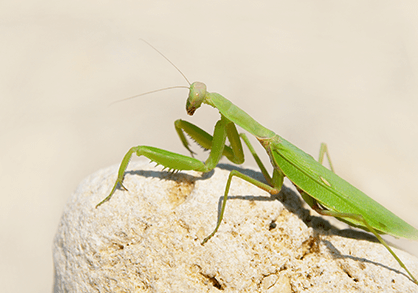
(148,240)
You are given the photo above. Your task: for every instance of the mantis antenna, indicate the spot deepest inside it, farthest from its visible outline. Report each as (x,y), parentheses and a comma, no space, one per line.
(151,92)
(167,60)
(159,90)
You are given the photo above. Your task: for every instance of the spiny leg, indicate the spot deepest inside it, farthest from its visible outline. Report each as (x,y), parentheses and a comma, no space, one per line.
(168,159)
(233,152)
(175,161)
(236,173)
(360,218)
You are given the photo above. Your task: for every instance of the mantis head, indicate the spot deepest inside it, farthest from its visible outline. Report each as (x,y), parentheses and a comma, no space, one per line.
(197,95)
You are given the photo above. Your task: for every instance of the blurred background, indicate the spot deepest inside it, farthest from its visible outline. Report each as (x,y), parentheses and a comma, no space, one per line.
(341,72)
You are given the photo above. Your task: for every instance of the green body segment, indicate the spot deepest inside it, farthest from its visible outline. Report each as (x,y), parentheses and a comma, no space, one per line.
(333,192)
(238,116)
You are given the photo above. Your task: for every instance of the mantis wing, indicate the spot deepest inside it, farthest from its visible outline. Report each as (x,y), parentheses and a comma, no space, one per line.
(334,193)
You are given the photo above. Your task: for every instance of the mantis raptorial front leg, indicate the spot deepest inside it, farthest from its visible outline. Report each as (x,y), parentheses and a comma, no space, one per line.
(162,157)
(223,128)
(233,152)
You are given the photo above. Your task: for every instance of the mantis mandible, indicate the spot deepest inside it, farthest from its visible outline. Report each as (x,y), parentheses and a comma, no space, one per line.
(321,188)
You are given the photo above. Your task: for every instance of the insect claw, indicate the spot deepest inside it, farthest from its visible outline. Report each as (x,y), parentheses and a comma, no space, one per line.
(123,187)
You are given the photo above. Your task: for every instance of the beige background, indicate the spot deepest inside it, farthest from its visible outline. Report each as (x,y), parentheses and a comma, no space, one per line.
(341,72)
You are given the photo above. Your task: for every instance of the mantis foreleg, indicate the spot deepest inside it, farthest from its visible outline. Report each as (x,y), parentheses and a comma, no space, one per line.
(233,152)
(168,159)
(223,128)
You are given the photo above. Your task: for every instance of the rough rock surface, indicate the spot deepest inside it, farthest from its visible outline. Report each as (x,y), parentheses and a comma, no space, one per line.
(148,240)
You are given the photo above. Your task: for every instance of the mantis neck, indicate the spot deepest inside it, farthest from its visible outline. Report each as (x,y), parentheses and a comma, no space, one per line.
(238,116)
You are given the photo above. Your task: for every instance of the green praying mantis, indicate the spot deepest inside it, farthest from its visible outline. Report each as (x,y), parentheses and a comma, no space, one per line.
(323,190)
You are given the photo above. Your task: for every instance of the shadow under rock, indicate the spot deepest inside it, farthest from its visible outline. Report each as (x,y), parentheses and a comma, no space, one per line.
(288,197)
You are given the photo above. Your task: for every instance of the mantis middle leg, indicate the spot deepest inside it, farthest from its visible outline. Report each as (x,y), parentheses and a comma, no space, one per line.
(273,187)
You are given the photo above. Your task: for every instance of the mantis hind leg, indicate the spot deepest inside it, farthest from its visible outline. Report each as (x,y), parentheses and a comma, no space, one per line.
(360,218)
(323,150)
(316,207)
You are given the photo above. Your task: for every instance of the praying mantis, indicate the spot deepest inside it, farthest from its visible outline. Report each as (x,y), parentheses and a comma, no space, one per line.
(323,190)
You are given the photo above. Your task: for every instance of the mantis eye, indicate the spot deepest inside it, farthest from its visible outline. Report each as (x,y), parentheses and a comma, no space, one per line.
(197,95)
